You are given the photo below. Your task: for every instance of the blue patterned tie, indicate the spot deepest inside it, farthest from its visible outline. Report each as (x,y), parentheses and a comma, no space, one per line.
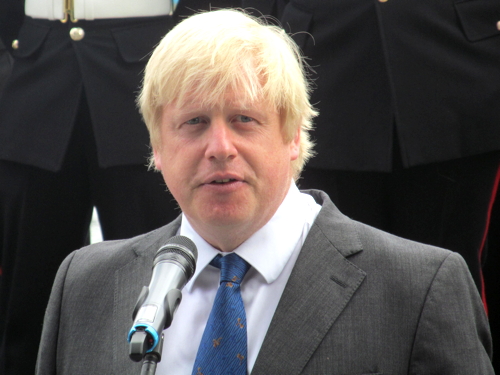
(223,347)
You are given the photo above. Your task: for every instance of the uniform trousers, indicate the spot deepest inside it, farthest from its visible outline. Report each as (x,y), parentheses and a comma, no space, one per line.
(45,215)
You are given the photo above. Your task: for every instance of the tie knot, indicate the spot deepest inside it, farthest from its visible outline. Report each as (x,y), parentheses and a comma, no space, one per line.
(232,267)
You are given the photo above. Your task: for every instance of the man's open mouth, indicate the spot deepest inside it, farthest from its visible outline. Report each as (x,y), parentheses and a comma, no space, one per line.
(223,181)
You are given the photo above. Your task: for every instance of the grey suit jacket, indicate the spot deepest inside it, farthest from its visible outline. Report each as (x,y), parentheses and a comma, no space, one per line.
(359,301)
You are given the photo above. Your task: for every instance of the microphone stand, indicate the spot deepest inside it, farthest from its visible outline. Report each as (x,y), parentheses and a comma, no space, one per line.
(151,359)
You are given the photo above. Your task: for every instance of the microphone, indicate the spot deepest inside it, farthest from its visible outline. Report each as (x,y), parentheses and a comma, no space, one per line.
(173,266)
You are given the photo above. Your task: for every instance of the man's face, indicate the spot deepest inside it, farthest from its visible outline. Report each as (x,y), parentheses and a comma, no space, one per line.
(228,168)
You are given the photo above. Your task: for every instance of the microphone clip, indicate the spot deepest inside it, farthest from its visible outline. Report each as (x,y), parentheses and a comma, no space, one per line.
(143,338)
(138,351)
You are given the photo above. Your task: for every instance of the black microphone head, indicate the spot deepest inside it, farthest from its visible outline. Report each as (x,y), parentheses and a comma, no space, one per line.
(181,251)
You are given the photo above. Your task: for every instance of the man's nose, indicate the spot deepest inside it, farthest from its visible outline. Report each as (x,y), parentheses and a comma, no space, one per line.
(220,141)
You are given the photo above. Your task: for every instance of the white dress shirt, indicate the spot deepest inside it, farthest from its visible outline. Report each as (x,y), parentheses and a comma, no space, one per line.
(271,251)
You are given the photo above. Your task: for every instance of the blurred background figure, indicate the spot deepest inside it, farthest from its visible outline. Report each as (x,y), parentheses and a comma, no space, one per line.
(408,135)
(71,139)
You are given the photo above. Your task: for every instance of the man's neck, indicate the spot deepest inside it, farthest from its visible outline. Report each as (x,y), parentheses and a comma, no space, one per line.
(227,237)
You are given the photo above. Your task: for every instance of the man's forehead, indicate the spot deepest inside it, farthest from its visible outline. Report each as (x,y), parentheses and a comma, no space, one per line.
(227,100)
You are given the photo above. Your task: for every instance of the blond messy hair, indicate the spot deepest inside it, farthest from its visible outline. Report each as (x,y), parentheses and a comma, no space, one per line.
(212,53)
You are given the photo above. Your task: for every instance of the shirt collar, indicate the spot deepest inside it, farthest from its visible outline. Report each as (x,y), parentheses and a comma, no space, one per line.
(269,249)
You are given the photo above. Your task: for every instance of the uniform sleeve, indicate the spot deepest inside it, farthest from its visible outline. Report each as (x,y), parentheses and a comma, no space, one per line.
(47,352)
(453,335)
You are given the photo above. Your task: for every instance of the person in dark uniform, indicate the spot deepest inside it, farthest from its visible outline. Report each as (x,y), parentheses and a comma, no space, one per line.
(71,138)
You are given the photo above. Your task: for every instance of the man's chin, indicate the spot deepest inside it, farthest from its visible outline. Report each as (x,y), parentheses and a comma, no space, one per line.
(225,216)
(224,219)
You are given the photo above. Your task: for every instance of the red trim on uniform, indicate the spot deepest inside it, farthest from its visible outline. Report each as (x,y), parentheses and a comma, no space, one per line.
(485,235)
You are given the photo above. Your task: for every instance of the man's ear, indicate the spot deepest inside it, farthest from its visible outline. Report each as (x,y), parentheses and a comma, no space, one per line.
(295,146)
(157,159)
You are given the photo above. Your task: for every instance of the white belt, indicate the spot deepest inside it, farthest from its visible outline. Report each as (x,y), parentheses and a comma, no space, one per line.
(96,9)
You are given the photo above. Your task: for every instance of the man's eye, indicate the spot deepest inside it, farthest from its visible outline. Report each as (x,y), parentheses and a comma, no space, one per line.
(244,118)
(193,121)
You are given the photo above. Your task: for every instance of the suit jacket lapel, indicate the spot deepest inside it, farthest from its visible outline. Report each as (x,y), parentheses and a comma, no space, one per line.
(320,286)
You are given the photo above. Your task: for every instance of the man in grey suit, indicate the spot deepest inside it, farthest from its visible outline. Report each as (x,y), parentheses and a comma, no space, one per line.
(226,101)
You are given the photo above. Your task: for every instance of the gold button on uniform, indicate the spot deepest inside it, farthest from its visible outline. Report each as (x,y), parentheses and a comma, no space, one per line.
(382,1)
(76,33)
(15,44)
(498,25)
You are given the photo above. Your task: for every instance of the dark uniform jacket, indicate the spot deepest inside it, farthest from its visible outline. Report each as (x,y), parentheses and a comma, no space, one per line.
(40,102)
(426,72)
